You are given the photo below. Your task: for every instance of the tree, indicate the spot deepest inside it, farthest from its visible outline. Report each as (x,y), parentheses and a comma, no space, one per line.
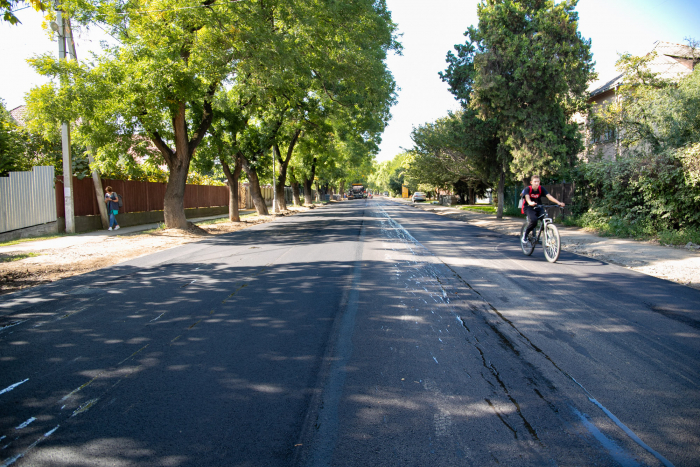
(159,82)
(12,144)
(526,68)
(457,150)
(9,7)
(650,113)
(388,175)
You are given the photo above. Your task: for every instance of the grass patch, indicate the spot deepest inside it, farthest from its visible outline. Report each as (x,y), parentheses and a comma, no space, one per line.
(679,237)
(223,220)
(17,257)
(33,239)
(161,226)
(487,208)
(513,211)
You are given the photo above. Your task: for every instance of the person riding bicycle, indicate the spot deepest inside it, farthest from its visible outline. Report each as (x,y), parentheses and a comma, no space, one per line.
(532,205)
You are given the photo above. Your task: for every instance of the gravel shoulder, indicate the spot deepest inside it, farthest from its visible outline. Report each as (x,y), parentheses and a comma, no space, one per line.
(33,263)
(679,265)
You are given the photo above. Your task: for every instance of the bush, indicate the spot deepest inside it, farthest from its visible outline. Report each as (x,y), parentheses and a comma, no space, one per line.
(640,195)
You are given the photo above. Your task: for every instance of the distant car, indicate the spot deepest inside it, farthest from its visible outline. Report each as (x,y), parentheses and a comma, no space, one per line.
(418,196)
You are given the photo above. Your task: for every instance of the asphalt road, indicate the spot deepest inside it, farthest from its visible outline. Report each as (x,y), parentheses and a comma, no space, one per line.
(363,333)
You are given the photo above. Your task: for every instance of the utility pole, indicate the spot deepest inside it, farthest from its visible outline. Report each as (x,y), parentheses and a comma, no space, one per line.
(99,193)
(65,135)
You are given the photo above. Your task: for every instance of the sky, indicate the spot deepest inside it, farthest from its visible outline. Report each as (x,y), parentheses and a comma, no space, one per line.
(429,30)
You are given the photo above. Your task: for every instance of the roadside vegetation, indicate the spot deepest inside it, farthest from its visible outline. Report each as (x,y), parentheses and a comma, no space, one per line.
(32,239)
(518,121)
(16,257)
(221,91)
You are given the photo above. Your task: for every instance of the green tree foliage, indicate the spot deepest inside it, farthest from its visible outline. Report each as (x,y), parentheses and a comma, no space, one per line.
(655,184)
(9,7)
(283,58)
(458,148)
(21,148)
(531,72)
(650,113)
(525,68)
(389,175)
(12,144)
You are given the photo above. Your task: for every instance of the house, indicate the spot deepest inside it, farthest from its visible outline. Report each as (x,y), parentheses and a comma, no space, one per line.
(672,62)
(18,114)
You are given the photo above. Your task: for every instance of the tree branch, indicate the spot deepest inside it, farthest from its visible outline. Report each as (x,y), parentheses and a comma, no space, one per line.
(205,122)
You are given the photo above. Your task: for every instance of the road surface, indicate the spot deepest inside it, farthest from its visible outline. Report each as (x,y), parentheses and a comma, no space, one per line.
(362,333)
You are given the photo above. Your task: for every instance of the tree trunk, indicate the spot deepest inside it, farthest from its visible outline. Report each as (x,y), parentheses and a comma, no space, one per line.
(284,163)
(174,201)
(501,189)
(178,161)
(318,192)
(307,192)
(307,184)
(255,193)
(281,179)
(99,192)
(295,187)
(233,201)
(342,189)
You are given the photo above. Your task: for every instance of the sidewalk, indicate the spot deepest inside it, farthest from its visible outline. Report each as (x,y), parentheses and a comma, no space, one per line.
(95,236)
(677,264)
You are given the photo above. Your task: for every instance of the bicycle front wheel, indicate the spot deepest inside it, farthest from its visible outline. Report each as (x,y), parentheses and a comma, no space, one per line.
(552,246)
(528,247)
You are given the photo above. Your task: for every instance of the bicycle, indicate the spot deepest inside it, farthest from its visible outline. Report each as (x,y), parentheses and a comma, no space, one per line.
(552,240)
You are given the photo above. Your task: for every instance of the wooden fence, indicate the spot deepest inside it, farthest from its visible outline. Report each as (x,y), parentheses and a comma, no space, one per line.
(137,196)
(564,192)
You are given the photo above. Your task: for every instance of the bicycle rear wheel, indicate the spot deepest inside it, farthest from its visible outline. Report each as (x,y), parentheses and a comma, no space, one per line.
(552,246)
(528,247)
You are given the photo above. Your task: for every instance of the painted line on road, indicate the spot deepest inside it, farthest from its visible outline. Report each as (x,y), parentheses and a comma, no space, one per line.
(26,424)
(12,386)
(617,453)
(13,324)
(12,460)
(633,436)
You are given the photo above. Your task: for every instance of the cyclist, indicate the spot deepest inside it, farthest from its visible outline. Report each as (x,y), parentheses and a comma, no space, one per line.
(532,205)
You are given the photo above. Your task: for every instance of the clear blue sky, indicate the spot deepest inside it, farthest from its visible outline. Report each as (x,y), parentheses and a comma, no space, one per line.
(429,30)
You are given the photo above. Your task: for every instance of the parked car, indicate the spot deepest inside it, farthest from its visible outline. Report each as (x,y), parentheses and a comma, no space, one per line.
(418,196)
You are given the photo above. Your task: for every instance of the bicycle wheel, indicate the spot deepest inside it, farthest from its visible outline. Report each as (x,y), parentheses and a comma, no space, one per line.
(552,246)
(528,247)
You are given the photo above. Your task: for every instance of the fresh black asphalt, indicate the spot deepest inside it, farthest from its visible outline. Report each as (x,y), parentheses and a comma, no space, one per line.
(363,333)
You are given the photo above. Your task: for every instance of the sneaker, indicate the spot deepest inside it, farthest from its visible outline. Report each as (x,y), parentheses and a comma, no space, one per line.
(116,228)
(524,239)
(110,228)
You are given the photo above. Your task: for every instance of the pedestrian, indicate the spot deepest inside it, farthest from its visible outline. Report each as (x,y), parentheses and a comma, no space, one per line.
(112,201)
(532,205)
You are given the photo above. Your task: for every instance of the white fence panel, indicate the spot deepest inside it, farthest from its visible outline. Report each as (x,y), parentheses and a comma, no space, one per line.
(27,199)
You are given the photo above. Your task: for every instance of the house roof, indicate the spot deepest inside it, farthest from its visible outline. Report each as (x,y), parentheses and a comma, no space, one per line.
(18,114)
(597,88)
(672,62)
